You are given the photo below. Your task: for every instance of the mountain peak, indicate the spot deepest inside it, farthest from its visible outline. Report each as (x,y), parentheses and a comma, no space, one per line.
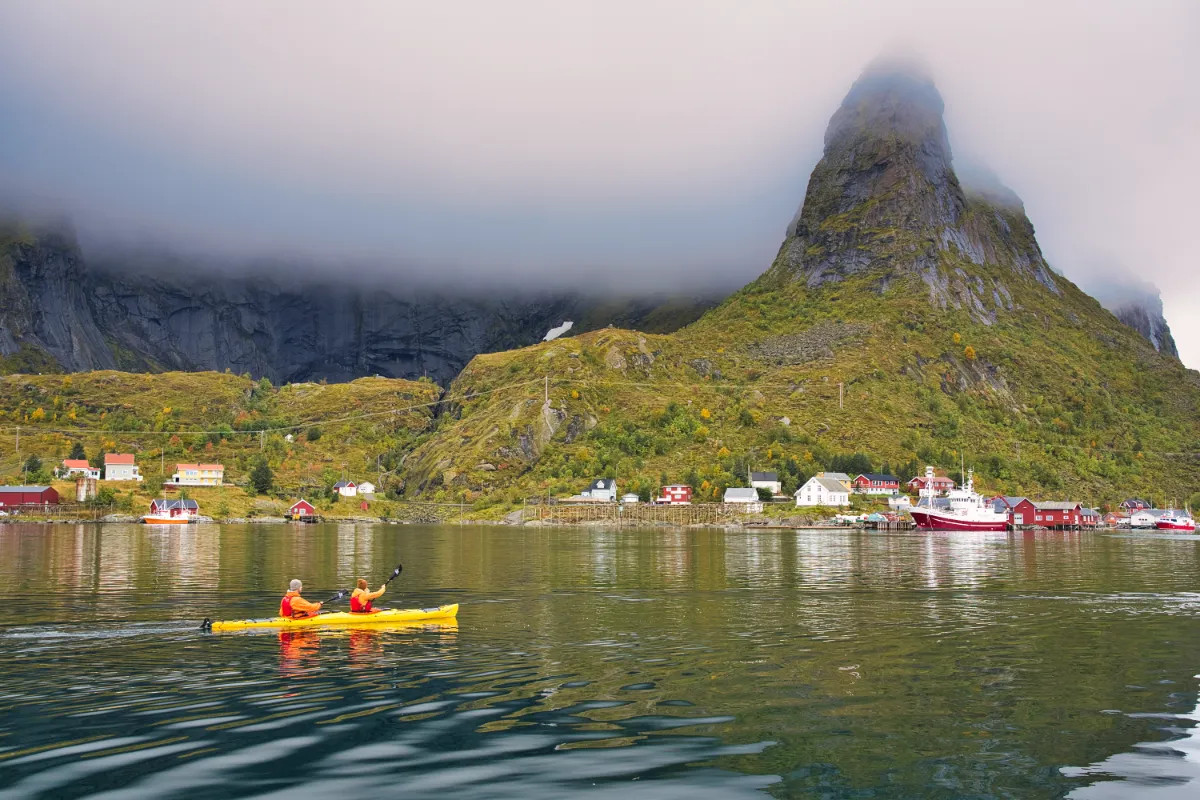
(885,198)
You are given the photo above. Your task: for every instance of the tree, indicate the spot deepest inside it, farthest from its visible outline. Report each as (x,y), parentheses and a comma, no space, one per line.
(764,494)
(33,464)
(261,477)
(969,352)
(77,452)
(314,433)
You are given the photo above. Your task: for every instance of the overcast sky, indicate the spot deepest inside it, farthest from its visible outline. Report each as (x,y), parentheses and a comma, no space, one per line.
(649,143)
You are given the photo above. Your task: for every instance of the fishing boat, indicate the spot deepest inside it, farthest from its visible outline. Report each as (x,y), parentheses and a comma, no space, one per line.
(1176,521)
(171,512)
(966,510)
(390,616)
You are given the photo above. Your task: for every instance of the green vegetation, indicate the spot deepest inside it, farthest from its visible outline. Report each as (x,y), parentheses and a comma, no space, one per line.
(176,417)
(1052,397)
(261,477)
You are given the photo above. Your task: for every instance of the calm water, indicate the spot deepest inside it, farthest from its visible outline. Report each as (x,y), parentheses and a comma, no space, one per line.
(698,664)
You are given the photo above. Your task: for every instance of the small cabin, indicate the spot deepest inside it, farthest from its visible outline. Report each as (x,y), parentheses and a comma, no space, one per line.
(346,488)
(301,509)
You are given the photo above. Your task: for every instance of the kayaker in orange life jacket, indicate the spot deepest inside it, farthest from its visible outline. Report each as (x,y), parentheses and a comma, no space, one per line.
(360,599)
(296,607)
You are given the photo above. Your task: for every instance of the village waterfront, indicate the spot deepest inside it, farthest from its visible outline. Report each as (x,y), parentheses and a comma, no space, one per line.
(587,662)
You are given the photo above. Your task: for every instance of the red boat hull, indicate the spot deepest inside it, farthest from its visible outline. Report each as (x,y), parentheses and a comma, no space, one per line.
(1175,526)
(937,522)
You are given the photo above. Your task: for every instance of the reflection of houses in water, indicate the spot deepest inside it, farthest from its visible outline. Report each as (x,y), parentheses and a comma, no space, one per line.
(754,558)
(963,559)
(673,556)
(355,547)
(1155,770)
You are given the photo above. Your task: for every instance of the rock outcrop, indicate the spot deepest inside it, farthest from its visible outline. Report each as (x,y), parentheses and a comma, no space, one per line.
(885,200)
(1139,305)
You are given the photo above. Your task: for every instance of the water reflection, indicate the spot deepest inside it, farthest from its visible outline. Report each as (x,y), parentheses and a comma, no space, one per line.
(832,664)
(1157,770)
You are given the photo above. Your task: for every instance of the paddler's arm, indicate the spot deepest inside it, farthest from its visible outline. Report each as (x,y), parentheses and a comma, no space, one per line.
(303,606)
(369,596)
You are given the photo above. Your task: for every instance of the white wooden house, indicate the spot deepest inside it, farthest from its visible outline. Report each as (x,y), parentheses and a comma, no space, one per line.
(767,480)
(823,492)
(602,489)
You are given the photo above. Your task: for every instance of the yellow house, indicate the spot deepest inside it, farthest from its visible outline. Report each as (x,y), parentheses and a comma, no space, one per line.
(198,475)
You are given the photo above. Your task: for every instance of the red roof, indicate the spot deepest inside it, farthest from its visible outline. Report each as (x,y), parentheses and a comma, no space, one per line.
(76,463)
(118,458)
(218,467)
(179,467)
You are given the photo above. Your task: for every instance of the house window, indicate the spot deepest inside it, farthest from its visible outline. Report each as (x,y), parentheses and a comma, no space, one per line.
(1038,517)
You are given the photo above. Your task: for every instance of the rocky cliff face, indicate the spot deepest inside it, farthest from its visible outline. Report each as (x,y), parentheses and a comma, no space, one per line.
(885,200)
(58,313)
(1139,305)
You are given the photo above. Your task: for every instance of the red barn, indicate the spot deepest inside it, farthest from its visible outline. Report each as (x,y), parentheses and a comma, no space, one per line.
(27,496)
(301,508)
(676,496)
(1021,511)
(1057,515)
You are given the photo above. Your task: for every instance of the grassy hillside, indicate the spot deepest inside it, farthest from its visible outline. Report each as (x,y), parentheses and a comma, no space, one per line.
(1054,402)
(366,426)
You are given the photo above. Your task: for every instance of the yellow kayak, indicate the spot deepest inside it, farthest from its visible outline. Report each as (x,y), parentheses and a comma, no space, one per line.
(341,618)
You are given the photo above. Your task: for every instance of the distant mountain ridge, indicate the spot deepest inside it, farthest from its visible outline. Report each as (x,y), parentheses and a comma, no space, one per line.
(60,313)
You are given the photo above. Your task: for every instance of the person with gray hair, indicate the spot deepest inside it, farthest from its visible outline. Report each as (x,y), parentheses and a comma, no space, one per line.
(294,606)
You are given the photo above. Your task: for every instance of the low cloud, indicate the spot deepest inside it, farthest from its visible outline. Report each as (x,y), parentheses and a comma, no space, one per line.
(648,144)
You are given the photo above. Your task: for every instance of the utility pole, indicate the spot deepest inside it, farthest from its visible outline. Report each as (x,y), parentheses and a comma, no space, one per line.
(18,440)
(841,395)
(262,435)
(547,390)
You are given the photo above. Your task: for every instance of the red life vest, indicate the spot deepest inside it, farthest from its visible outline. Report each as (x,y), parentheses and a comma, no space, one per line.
(285,606)
(357,606)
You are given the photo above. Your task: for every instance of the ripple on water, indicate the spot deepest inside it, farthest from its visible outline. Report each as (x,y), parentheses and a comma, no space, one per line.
(652,664)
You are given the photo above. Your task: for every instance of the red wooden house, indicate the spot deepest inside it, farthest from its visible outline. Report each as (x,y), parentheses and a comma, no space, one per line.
(301,509)
(876,483)
(938,483)
(1057,515)
(675,496)
(11,496)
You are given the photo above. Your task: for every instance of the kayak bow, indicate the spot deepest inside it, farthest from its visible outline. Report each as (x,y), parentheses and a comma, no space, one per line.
(340,618)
